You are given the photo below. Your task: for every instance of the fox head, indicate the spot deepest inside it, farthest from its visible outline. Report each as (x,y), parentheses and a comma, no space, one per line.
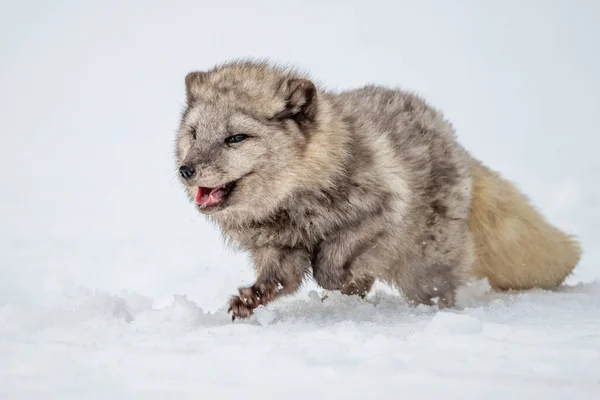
(245,136)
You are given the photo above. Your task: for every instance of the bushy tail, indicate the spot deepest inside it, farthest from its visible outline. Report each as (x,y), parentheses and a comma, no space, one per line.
(516,247)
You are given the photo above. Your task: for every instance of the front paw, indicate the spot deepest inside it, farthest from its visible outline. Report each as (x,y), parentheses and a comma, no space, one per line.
(238,308)
(242,305)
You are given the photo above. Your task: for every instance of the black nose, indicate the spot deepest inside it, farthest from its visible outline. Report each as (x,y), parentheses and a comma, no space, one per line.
(186,171)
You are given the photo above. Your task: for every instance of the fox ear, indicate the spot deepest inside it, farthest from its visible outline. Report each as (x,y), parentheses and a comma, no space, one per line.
(192,80)
(301,101)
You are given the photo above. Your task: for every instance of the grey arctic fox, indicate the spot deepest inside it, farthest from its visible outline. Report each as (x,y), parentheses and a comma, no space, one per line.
(352,187)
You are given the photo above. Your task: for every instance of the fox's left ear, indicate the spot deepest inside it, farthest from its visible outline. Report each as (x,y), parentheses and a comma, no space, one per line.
(301,101)
(192,80)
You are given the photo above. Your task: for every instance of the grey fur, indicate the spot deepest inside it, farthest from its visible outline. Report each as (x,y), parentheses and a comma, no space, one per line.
(353,186)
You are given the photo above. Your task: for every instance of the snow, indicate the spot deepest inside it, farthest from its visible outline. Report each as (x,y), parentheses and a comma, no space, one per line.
(98,345)
(113,287)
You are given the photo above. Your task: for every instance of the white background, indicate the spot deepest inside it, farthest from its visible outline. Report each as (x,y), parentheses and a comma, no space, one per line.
(92,215)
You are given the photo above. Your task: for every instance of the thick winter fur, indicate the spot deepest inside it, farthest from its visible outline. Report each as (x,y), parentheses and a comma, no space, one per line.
(354,186)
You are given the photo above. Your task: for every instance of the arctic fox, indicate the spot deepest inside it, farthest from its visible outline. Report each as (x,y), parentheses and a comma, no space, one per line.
(351,187)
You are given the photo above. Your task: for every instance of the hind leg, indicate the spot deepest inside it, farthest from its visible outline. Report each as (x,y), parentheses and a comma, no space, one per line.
(429,283)
(434,282)
(445,259)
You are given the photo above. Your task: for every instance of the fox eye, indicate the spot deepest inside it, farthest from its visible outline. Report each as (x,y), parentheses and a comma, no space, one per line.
(236,138)
(193,132)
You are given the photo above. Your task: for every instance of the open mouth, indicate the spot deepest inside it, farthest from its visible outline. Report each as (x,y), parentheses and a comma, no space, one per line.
(207,197)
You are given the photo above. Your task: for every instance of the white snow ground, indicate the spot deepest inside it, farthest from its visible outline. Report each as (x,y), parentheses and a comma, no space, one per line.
(112,287)
(95,345)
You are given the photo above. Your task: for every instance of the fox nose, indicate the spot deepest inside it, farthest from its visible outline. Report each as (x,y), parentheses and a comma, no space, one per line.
(186,171)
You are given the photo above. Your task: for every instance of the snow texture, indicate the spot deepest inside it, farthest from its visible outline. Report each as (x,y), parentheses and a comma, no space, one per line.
(113,287)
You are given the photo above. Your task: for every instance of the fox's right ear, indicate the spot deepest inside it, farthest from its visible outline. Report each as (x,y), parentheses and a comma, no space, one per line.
(192,80)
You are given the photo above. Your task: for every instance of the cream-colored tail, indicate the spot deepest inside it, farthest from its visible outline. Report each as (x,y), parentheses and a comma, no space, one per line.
(516,247)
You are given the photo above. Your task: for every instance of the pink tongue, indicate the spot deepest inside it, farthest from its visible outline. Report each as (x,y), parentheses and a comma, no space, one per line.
(203,198)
